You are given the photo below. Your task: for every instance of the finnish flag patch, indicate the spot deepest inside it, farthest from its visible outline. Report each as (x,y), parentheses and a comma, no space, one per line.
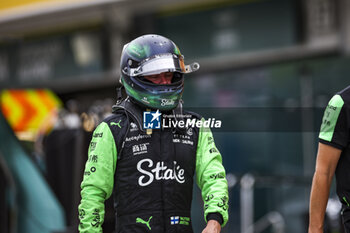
(174,220)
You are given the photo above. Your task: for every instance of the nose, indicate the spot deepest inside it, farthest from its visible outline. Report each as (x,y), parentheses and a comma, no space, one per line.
(163,79)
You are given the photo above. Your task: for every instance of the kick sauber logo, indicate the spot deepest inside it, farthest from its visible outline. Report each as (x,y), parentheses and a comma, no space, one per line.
(151,120)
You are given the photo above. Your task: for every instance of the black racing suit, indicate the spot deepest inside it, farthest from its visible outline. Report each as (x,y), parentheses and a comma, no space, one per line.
(151,175)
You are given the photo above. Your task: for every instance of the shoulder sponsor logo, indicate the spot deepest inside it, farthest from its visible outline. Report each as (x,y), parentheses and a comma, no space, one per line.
(133,127)
(93,146)
(331,107)
(159,172)
(93,158)
(116,123)
(98,135)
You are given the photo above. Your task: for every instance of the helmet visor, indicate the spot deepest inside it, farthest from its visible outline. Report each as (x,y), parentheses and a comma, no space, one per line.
(162,63)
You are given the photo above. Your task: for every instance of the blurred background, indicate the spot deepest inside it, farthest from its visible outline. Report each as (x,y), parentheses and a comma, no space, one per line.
(268,69)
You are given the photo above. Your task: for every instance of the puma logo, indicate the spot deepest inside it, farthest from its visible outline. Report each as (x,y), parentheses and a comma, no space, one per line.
(140,220)
(118,124)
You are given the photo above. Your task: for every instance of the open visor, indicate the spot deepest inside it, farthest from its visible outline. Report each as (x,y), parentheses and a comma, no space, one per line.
(162,63)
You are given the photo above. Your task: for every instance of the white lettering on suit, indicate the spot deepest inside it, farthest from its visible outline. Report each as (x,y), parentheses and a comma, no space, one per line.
(175,173)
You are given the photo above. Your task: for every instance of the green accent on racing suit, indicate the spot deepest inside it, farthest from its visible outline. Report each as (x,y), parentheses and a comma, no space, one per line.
(97,186)
(330,117)
(114,123)
(211,176)
(140,220)
(346,201)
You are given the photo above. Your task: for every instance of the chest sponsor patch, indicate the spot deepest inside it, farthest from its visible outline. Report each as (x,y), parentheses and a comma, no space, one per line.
(137,137)
(174,220)
(184,139)
(140,148)
(159,172)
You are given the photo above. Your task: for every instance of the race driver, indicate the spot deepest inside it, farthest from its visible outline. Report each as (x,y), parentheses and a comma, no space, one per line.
(150,172)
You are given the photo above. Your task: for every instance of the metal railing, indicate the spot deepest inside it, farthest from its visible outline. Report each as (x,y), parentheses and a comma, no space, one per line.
(273,219)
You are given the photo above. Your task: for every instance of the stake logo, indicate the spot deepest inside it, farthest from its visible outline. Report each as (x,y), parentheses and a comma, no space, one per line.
(167,102)
(159,172)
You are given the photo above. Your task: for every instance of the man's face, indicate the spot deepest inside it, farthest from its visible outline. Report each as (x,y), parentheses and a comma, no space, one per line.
(162,78)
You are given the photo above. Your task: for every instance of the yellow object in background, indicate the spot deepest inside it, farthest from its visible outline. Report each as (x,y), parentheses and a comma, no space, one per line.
(4,5)
(19,8)
(30,111)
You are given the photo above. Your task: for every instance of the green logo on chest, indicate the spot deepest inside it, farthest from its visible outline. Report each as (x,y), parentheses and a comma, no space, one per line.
(140,220)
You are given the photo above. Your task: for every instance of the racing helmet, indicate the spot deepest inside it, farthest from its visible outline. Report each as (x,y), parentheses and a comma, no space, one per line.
(151,55)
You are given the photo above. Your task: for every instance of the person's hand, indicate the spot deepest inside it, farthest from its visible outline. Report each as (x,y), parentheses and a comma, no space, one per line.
(213,226)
